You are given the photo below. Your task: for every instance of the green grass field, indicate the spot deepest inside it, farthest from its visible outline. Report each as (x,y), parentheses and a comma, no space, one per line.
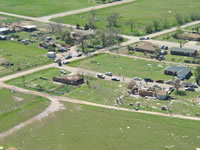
(123,66)
(17,107)
(142,12)
(81,127)
(7,19)
(36,8)
(99,91)
(21,56)
(42,81)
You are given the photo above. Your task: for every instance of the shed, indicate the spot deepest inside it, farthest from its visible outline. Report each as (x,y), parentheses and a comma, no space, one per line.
(162,95)
(183,51)
(29,28)
(4,30)
(179,71)
(70,80)
(145,47)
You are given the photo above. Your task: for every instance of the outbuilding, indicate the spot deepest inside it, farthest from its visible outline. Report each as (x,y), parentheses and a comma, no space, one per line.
(162,95)
(183,51)
(29,28)
(179,71)
(4,30)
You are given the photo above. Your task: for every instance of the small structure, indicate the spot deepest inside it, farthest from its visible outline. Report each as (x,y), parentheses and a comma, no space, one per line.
(180,72)
(70,80)
(189,36)
(162,95)
(183,51)
(51,54)
(4,30)
(147,92)
(146,47)
(29,28)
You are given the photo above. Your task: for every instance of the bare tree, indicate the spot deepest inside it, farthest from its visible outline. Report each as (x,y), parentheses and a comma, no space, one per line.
(131,84)
(112,20)
(182,43)
(131,23)
(52,27)
(156,24)
(83,43)
(177,84)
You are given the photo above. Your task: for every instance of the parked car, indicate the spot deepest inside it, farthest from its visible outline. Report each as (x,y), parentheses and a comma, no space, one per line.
(92,50)
(159,81)
(68,57)
(115,79)
(189,89)
(146,38)
(142,38)
(66,62)
(108,73)
(101,76)
(148,80)
(169,82)
(57,60)
(79,55)
(137,79)
(164,47)
(156,86)
(171,89)
(63,72)
(98,47)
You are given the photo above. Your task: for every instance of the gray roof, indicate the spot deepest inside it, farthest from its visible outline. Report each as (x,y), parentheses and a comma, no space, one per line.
(184,50)
(178,70)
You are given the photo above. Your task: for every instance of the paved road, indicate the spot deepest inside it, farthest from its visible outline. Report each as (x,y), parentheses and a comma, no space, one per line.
(191,45)
(85,9)
(153,60)
(172,29)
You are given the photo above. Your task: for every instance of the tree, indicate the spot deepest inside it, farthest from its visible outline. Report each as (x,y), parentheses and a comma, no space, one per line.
(131,23)
(112,20)
(131,84)
(182,43)
(83,43)
(156,24)
(197,75)
(86,27)
(179,19)
(149,28)
(77,26)
(166,23)
(178,31)
(177,84)
(91,19)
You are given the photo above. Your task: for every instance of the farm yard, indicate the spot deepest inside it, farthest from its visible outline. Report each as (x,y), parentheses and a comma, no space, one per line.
(43,7)
(94,87)
(17,107)
(43,81)
(123,66)
(139,14)
(184,104)
(17,57)
(81,123)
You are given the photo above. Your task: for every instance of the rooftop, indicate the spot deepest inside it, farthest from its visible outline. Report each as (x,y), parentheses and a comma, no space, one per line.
(184,50)
(146,46)
(178,69)
(29,26)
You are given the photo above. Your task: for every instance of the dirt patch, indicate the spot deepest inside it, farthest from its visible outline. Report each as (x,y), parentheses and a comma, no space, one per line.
(2,18)
(12,148)
(18,98)
(78,107)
